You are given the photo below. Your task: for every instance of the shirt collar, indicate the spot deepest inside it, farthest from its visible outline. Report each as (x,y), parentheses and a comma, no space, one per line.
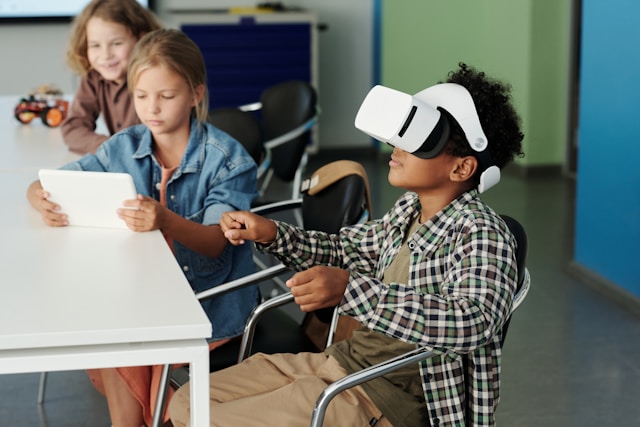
(410,203)
(193,157)
(116,86)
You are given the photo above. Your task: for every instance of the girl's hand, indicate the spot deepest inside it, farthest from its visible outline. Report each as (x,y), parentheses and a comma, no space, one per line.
(50,211)
(243,225)
(143,214)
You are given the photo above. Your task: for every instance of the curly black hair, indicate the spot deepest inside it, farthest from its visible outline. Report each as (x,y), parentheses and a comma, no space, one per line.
(500,122)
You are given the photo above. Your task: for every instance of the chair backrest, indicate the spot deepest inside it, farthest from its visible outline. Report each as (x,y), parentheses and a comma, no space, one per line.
(521,258)
(523,244)
(243,126)
(340,198)
(345,208)
(286,106)
(343,187)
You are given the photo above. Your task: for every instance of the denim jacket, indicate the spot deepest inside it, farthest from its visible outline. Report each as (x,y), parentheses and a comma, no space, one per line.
(215,175)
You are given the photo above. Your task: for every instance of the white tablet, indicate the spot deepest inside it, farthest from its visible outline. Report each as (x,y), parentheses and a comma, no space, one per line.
(90,199)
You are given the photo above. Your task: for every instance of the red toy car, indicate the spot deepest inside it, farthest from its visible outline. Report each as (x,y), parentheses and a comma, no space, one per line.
(47,103)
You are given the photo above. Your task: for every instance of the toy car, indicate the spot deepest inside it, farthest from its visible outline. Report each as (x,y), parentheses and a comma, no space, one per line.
(46,103)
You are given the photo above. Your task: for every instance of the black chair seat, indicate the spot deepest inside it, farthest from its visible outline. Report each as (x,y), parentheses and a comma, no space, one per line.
(277,332)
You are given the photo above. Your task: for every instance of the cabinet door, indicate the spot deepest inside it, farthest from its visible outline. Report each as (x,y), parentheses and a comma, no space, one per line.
(244,58)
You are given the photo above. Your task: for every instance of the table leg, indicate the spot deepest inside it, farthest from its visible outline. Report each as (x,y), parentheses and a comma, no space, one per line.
(199,388)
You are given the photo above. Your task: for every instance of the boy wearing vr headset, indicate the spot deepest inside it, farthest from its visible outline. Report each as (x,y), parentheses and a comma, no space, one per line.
(437,270)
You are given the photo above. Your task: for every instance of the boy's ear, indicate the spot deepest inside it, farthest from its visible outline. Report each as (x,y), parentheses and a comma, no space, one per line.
(464,169)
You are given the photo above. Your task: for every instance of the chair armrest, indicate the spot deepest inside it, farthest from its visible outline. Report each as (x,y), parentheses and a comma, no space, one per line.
(254,318)
(522,293)
(277,206)
(255,278)
(242,282)
(254,106)
(293,133)
(362,376)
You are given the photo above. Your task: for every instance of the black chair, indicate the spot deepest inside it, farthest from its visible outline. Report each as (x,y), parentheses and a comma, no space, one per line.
(275,331)
(524,280)
(287,112)
(344,186)
(243,126)
(419,354)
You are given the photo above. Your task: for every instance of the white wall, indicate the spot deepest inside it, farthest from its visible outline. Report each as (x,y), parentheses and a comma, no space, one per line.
(345,67)
(33,54)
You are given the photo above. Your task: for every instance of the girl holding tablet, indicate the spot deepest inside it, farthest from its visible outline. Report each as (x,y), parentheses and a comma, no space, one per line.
(187,173)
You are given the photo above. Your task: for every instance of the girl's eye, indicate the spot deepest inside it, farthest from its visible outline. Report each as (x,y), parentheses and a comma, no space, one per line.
(168,96)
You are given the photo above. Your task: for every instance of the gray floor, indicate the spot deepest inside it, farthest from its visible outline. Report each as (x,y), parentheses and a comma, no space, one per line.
(571,357)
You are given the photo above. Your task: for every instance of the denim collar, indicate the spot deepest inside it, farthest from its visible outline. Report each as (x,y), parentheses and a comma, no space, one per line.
(193,158)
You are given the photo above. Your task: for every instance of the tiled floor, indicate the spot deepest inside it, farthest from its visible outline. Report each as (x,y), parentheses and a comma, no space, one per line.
(571,357)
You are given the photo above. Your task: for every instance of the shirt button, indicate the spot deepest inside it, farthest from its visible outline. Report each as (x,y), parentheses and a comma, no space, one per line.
(435,422)
(158,186)
(173,197)
(185,268)
(412,245)
(429,376)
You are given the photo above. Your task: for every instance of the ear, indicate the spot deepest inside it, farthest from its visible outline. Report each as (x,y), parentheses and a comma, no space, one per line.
(464,169)
(198,94)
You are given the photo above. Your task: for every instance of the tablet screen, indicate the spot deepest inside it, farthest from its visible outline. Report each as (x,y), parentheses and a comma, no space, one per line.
(90,199)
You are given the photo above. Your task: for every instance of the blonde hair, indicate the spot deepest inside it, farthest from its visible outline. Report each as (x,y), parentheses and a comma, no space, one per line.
(177,52)
(128,13)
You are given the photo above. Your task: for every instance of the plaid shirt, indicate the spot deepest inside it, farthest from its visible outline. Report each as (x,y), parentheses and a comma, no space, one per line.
(462,281)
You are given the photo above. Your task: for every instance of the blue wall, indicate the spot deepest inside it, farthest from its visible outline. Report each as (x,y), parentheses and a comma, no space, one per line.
(607,239)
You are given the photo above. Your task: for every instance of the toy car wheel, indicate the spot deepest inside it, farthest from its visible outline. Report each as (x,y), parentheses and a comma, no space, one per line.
(51,116)
(24,116)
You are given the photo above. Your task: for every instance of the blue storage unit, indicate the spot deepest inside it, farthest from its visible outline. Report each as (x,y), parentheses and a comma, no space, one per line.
(246,54)
(607,227)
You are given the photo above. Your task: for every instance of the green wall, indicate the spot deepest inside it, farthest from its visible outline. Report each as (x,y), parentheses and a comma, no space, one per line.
(523,42)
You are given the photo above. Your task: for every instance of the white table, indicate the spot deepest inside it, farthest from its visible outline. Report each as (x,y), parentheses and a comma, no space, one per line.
(79,298)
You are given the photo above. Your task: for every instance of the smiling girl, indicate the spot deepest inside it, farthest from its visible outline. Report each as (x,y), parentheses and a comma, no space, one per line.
(102,38)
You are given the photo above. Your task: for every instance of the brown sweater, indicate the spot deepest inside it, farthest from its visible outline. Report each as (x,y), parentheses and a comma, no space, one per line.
(96,96)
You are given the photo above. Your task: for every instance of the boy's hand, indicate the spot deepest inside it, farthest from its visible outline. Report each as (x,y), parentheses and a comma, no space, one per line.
(318,287)
(243,225)
(145,214)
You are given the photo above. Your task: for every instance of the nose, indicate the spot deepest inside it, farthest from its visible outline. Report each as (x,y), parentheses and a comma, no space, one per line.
(107,51)
(154,105)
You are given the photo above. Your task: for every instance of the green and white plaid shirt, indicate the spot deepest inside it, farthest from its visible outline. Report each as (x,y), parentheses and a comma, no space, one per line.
(462,281)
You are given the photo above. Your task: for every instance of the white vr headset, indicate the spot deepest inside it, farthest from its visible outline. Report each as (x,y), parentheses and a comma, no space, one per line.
(419,124)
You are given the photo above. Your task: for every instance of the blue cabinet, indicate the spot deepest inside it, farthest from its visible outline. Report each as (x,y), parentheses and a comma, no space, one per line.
(246,54)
